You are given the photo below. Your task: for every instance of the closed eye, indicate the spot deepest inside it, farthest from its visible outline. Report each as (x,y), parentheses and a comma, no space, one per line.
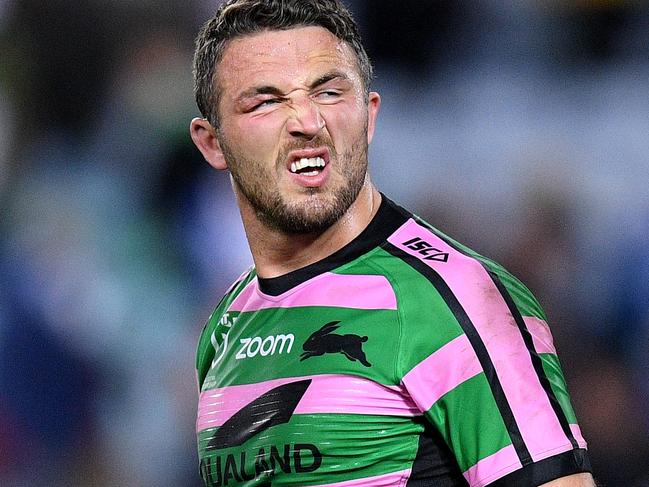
(265,103)
(328,95)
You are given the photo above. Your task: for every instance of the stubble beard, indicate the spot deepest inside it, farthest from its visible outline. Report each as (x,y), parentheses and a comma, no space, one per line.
(322,207)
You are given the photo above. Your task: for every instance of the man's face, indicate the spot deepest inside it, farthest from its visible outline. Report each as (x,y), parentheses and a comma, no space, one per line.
(294,126)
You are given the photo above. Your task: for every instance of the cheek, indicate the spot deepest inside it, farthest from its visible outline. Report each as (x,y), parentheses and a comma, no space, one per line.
(345,127)
(256,137)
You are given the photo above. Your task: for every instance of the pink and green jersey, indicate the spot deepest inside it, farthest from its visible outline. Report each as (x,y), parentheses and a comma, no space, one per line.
(404,359)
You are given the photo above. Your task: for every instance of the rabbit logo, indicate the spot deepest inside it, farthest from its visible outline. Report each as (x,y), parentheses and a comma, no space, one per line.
(324,341)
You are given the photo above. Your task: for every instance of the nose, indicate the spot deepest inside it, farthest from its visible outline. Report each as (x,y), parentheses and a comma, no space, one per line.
(306,120)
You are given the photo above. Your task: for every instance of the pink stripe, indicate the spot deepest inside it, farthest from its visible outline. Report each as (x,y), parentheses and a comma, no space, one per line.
(326,394)
(442,371)
(355,395)
(328,289)
(396,479)
(576,432)
(238,280)
(481,300)
(493,467)
(216,406)
(541,335)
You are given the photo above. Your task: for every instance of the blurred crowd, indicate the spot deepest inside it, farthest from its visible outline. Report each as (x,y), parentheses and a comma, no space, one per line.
(519,128)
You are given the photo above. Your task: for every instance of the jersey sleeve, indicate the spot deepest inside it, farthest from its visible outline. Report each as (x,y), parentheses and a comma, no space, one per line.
(216,325)
(479,362)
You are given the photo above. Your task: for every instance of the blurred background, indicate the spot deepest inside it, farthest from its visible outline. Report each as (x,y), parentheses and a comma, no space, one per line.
(519,128)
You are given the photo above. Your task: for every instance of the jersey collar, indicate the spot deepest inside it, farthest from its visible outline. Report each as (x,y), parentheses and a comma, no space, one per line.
(387,220)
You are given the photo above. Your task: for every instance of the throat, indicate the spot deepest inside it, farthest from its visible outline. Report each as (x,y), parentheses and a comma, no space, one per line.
(286,253)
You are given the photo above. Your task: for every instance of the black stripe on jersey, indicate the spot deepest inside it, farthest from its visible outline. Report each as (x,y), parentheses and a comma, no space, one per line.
(543,471)
(270,409)
(477,344)
(527,338)
(536,359)
(434,463)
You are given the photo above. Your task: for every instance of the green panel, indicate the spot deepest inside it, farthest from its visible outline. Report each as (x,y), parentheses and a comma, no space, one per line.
(470,421)
(427,323)
(216,324)
(364,264)
(336,447)
(282,333)
(553,371)
(523,298)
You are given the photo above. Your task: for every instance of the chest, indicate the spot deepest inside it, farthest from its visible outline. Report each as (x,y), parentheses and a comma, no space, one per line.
(292,393)
(283,343)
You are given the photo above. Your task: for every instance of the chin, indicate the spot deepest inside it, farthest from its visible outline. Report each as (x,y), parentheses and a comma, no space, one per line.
(313,214)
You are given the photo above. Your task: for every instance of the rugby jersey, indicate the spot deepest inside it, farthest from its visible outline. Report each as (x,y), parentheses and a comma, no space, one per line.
(403,359)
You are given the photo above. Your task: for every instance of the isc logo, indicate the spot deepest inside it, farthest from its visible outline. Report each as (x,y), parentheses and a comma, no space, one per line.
(250,347)
(427,250)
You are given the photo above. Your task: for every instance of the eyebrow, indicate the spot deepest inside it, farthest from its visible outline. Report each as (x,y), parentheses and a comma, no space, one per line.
(325,78)
(259,90)
(273,90)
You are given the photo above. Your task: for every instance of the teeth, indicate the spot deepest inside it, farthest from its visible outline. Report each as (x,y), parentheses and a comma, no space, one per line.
(315,162)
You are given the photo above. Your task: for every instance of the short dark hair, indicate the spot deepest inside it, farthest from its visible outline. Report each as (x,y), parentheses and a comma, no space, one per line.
(236,18)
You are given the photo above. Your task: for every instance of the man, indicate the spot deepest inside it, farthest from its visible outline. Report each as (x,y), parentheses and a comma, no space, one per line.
(364,347)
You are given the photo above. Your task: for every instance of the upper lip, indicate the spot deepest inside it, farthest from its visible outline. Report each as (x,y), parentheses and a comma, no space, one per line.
(307,153)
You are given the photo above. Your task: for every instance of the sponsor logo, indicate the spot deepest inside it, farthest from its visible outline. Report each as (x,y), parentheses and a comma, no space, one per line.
(427,250)
(324,341)
(251,347)
(229,469)
(272,408)
(226,322)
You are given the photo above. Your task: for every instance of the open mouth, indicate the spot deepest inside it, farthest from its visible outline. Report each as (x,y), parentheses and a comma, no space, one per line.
(308,166)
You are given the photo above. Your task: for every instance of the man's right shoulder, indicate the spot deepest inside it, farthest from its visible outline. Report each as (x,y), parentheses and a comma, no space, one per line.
(219,318)
(230,295)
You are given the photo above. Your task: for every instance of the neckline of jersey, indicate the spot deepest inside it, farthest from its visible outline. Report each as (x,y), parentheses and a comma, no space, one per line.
(387,220)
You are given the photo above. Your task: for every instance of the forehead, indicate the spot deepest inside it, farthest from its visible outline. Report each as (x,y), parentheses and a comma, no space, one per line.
(274,56)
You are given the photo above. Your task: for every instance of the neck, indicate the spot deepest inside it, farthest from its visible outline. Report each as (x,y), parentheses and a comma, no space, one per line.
(276,253)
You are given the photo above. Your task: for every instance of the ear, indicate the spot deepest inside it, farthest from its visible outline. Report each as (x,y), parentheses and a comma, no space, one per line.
(205,138)
(373,105)
(328,328)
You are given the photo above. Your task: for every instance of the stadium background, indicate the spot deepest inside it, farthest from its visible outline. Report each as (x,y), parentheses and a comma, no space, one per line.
(520,128)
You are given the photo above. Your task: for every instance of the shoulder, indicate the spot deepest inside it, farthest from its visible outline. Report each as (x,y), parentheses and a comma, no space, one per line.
(219,318)
(459,274)
(446,290)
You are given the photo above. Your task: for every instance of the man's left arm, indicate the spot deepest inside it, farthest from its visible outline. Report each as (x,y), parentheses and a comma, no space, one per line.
(493,386)
(578,480)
